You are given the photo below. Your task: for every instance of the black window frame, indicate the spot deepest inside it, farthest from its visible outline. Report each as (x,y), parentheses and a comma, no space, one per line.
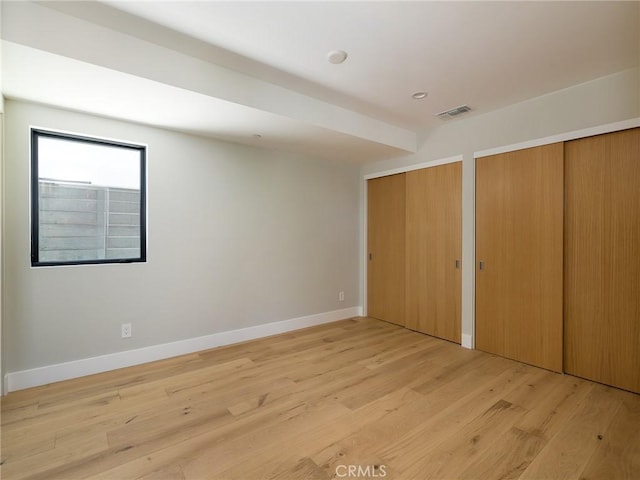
(37,133)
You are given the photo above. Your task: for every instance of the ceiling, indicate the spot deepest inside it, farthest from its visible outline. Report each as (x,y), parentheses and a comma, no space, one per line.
(235,69)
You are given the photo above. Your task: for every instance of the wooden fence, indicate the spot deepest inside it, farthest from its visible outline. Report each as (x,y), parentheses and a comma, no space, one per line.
(87,222)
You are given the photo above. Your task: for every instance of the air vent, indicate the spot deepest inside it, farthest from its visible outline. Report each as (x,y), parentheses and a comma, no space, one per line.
(453,112)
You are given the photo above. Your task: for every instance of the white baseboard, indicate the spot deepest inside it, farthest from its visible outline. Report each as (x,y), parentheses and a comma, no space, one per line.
(88,366)
(467,341)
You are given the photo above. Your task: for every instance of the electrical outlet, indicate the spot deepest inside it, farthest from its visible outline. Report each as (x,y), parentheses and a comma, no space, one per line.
(341,296)
(125,330)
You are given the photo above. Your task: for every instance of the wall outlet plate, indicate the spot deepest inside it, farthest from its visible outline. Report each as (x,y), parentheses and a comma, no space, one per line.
(125,330)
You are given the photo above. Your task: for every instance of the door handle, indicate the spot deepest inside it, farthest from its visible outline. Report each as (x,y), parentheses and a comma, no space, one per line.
(457,263)
(370,256)
(481,265)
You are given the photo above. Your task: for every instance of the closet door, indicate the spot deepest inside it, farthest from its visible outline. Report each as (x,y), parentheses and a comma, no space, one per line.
(519,244)
(602,265)
(386,244)
(434,248)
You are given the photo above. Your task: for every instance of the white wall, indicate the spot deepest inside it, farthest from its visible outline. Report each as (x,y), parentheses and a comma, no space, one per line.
(606,100)
(237,237)
(1,216)
(2,363)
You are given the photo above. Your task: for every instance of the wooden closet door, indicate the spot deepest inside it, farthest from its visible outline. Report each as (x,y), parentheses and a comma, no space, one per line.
(519,240)
(434,250)
(602,265)
(386,244)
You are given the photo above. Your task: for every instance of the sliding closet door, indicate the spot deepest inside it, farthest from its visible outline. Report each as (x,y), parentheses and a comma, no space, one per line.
(386,244)
(434,248)
(602,266)
(519,243)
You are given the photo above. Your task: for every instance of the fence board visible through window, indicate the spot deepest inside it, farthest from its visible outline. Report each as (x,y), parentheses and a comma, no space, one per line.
(88,222)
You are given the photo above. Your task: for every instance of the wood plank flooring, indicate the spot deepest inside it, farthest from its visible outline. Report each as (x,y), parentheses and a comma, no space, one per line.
(359,398)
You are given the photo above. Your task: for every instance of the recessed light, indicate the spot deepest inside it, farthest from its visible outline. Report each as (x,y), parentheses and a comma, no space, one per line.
(337,56)
(419,95)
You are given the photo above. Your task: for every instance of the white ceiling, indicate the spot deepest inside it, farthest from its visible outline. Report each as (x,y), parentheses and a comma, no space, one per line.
(484,54)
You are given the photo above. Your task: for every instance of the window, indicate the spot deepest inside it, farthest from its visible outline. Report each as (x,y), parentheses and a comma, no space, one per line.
(87,200)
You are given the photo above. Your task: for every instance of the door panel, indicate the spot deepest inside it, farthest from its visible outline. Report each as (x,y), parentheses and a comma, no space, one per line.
(602,265)
(386,244)
(434,249)
(519,240)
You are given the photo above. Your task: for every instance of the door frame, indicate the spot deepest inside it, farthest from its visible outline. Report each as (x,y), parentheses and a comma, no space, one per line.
(562,137)
(364,226)
(468,264)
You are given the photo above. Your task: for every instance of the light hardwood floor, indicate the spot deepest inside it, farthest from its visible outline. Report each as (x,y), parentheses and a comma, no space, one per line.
(308,404)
